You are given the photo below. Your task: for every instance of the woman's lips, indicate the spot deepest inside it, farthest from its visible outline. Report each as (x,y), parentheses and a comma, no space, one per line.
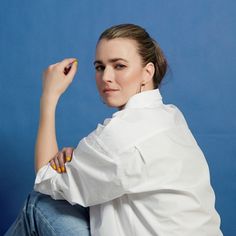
(109,90)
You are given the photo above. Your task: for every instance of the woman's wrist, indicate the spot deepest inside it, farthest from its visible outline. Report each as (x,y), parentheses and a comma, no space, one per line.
(49,99)
(48,104)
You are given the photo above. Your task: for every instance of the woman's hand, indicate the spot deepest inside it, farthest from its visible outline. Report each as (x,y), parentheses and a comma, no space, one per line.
(57,77)
(63,156)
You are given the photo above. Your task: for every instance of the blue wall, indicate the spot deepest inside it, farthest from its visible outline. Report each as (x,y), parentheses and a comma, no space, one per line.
(198,38)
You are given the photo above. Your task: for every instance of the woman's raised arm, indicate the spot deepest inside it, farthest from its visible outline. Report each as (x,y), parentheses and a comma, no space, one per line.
(56,80)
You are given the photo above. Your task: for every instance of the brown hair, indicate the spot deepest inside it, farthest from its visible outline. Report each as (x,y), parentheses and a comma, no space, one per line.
(148,48)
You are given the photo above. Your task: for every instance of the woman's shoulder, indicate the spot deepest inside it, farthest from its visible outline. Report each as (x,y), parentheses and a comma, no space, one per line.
(159,117)
(129,126)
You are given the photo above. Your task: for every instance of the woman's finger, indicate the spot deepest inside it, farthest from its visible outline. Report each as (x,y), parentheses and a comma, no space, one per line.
(52,164)
(70,72)
(58,167)
(61,161)
(65,62)
(68,152)
(66,65)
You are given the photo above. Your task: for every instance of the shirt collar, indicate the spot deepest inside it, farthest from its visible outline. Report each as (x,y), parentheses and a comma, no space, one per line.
(150,98)
(146,99)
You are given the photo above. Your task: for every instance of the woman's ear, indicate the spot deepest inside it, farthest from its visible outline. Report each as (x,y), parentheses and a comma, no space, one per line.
(149,71)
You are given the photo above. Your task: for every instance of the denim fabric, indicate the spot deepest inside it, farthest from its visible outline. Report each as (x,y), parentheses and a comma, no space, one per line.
(41,215)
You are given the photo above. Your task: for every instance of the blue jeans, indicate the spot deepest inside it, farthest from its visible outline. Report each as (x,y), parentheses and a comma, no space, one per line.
(41,215)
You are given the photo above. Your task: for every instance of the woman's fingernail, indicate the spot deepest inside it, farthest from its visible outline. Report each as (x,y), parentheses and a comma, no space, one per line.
(59,169)
(54,167)
(76,62)
(62,169)
(68,158)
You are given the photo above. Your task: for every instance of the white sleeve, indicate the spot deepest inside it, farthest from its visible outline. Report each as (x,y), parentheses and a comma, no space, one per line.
(94,176)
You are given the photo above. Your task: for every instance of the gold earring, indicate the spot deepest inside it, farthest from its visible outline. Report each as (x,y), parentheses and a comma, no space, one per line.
(141,87)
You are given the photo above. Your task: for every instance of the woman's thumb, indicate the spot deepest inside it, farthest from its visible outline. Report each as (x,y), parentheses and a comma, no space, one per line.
(73,70)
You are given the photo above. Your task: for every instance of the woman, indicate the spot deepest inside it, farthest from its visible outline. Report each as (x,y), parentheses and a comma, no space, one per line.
(139,173)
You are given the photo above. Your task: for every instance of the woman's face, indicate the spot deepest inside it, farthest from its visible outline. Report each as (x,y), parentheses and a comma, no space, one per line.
(119,71)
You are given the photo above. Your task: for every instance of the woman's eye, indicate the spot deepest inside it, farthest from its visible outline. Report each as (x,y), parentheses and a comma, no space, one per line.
(99,68)
(120,66)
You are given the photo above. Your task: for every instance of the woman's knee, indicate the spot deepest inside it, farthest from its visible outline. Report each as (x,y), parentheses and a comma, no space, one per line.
(41,215)
(57,216)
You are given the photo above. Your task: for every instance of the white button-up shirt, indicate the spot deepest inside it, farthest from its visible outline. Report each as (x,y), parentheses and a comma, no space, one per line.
(141,173)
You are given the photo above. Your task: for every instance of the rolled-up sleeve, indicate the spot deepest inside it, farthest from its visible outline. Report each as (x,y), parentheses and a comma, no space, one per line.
(94,175)
(44,181)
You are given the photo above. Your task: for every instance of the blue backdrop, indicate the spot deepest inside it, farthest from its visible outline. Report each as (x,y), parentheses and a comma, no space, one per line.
(198,38)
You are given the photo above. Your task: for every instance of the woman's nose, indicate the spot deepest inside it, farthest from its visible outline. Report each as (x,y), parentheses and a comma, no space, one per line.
(108,74)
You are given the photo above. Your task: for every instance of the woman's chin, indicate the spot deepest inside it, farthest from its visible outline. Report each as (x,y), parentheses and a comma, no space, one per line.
(113,104)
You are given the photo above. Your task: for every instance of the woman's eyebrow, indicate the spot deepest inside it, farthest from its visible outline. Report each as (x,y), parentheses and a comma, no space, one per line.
(110,60)
(97,62)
